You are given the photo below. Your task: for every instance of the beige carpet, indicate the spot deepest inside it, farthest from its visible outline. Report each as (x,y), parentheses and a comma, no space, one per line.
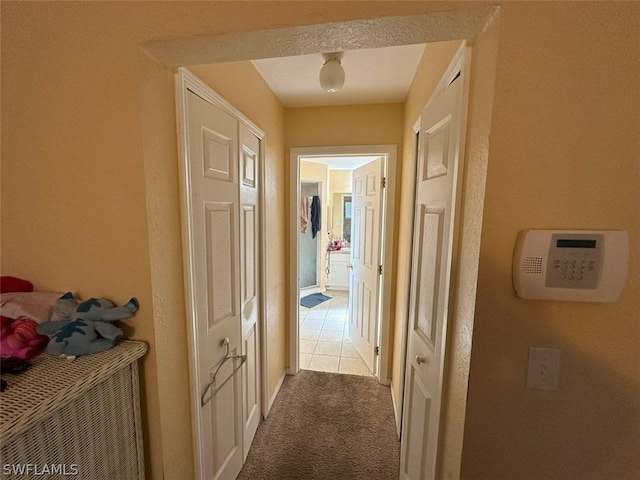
(327,426)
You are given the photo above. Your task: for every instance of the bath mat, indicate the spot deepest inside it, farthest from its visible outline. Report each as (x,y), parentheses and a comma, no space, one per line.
(311,301)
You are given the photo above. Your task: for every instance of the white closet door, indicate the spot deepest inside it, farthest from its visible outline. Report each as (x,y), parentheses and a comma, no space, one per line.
(430,280)
(214,229)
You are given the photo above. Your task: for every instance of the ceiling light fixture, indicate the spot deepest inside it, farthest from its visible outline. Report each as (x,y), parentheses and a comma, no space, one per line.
(332,73)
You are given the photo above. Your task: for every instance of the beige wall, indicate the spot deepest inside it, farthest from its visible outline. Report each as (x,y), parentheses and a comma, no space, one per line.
(563,154)
(73,198)
(340,181)
(316,172)
(341,126)
(85,184)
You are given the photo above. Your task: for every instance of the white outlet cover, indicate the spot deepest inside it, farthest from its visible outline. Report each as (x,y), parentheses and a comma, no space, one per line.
(544,368)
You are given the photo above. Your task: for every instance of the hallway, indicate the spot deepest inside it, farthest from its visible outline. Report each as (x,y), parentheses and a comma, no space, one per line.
(326,426)
(324,340)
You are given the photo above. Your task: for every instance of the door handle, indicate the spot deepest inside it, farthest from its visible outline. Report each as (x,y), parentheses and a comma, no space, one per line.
(420,360)
(349,266)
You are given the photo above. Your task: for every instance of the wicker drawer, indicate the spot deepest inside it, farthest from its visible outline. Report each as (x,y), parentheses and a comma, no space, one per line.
(77,419)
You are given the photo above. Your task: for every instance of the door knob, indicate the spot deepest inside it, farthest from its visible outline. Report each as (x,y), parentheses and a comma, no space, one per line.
(420,360)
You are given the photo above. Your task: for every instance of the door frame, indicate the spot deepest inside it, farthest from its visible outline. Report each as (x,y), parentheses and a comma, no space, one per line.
(399,402)
(461,61)
(387,246)
(158,59)
(185,80)
(317,288)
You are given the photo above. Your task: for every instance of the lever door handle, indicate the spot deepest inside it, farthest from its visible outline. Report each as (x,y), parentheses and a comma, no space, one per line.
(349,266)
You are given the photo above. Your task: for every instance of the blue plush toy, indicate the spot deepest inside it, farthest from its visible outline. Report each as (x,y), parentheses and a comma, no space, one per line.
(86,326)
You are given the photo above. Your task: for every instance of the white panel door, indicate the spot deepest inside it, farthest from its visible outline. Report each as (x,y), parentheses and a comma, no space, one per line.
(366,209)
(430,278)
(250,146)
(214,227)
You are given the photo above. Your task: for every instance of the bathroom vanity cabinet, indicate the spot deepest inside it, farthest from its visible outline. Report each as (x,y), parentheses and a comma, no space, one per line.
(338,278)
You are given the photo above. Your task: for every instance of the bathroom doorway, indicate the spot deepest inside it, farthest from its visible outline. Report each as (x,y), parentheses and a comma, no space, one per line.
(321,338)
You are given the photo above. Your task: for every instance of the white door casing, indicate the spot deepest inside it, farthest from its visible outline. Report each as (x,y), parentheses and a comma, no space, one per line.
(389,153)
(221,190)
(439,162)
(364,284)
(242,46)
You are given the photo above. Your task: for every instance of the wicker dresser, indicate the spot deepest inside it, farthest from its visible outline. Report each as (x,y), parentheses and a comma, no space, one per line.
(74,419)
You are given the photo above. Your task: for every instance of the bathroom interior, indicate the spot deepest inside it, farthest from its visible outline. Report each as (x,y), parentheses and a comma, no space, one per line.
(324,262)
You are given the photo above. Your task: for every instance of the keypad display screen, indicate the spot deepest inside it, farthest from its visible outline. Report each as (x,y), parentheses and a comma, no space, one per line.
(575,261)
(567,243)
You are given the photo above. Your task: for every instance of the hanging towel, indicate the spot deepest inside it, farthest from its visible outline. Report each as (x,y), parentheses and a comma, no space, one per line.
(315,215)
(304,213)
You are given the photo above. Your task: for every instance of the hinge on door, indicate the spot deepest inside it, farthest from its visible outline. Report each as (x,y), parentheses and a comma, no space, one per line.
(379,269)
(377,351)
(383,182)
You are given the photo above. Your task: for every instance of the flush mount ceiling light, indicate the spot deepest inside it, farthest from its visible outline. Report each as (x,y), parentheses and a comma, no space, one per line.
(332,73)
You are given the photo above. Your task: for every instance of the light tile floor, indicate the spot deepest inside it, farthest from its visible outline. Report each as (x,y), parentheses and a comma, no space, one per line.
(324,339)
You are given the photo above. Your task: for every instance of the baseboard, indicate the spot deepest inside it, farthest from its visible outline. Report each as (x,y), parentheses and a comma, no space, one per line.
(276,391)
(310,291)
(395,409)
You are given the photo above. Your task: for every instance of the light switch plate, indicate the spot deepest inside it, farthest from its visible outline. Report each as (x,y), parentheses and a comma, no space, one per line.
(544,368)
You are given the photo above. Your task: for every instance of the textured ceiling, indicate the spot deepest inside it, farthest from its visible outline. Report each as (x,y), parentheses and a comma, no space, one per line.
(377,75)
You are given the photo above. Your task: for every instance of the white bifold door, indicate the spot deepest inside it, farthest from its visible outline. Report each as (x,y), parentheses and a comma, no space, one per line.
(222,257)
(433,239)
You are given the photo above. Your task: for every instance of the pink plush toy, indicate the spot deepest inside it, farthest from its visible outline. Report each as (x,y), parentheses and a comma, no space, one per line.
(14,284)
(19,339)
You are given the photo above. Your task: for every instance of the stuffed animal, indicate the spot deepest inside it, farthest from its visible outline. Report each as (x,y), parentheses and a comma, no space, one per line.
(85,326)
(19,339)
(14,284)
